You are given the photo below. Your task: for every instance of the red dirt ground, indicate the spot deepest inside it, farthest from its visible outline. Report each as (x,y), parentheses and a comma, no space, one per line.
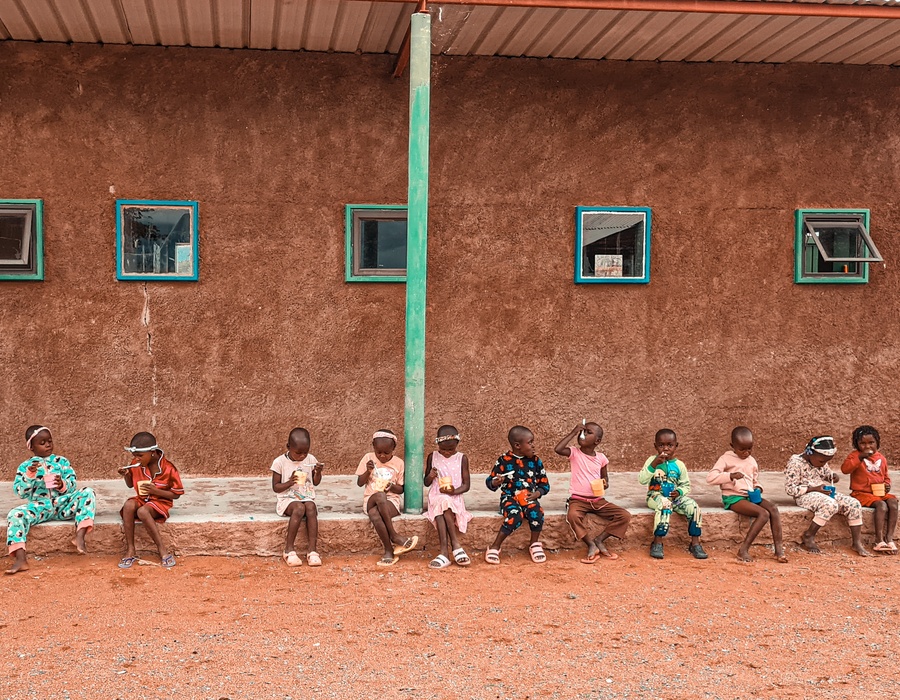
(824,627)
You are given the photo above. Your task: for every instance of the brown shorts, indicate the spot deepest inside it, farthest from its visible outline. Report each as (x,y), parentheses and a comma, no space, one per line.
(617,516)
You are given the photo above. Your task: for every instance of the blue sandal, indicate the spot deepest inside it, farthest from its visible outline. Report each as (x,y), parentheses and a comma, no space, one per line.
(127,562)
(168,561)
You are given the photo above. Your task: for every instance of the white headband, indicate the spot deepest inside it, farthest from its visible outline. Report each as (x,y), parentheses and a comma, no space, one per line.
(134,450)
(445,438)
(28,441)
(384,434)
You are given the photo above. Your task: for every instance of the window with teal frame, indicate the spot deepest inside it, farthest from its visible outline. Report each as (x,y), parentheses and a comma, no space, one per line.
(21,239)
(157,240)
(375,242)
(612,245)
(833,246)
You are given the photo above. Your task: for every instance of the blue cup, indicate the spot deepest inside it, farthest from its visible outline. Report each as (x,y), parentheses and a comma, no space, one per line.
(755,495)
(830,490)
(666,488)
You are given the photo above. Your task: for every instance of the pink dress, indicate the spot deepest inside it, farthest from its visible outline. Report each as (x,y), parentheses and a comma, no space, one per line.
(439,502)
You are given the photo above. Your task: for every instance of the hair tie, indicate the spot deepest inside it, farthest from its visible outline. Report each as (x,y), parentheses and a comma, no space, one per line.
(384,434)
(445,438)
(823,445)
(134,450)
(28,441)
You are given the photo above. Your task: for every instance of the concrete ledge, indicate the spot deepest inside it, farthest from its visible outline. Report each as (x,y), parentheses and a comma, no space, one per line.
(236,517)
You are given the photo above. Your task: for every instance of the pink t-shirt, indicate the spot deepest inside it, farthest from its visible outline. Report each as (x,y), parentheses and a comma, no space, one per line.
(395,464)
(585,469)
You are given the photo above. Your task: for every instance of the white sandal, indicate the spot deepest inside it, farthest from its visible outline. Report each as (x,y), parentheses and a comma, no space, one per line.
(313,559)
(291,559)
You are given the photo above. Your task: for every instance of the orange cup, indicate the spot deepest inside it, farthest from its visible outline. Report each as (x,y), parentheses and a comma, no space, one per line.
(878,489)
(597,487)
(142,487)
(445,481)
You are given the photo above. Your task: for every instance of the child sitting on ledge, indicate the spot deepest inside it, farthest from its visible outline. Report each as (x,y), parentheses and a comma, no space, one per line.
(870,484)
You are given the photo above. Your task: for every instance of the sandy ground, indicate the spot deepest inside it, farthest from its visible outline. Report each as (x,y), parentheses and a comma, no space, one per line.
(821,626)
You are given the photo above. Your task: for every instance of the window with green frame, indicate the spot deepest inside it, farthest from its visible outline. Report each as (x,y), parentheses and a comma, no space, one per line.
(21,239)
(833,246)
(375,242)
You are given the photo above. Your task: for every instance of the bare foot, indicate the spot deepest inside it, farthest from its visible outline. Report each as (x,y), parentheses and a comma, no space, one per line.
(808,542)
(593,551)
(20,563)
(79,541)
(780,556)
(862,551)
(744,555)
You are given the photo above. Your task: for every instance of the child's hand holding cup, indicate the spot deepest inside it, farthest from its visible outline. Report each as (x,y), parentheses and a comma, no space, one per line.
(445,484)
(142,487)
(50,480)
(300,478)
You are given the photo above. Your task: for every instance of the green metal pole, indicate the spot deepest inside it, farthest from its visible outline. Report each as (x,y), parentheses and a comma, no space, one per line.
(417,257)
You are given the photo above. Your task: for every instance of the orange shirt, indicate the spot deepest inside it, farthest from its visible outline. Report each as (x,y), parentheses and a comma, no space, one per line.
(863,475)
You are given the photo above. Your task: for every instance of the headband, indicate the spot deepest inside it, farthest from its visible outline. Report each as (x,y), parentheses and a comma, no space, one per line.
(28,441)
(445,438)
(134,450)
(384,434)
(823,445)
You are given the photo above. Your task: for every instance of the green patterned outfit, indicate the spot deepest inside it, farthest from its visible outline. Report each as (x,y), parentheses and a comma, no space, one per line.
(47,504)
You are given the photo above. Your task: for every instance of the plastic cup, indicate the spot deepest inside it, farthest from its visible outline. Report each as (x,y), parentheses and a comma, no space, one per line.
(597,487)
(522,497)
(666,489)
(445,482)
(754,495)
(878,490)
(300,477)
(50,480)
(830,490)
(142,487)
(382,478)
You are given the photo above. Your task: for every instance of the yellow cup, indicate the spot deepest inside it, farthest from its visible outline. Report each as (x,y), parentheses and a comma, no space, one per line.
(878,489)
(300,477)
(597,487)
(445,481)
(142,487)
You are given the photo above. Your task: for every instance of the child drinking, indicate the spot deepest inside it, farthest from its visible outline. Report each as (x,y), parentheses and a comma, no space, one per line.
(737,473)
(47,481)
(810,483)
(381,498)
(447,476)
(587,490)
(668,488)
(520,476)
(870,484)
(157,484)
(295,474)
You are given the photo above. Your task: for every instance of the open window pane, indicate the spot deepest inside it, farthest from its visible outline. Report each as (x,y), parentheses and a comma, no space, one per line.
(842,239)
(21,254)
(612,245)
(376,243)
(157,240)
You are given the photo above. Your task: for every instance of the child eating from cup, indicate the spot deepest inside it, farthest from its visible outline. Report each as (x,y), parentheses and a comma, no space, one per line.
(157,485)
(587,491)
(870,484)
(48,482)
(668,486)
(522,480)
(737,473)
(447,476)
(382,475)
(295,474)
(810,483)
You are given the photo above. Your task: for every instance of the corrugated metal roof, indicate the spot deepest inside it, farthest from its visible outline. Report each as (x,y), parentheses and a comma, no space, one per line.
(379,27)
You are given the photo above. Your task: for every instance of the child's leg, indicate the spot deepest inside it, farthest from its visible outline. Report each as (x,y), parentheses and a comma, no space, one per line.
(619,518)
(688,507)
(512,521)
(145,513)
(851,509)
(575,515)
(129,513)
(440,524)
(661,517)
(18,522)
(891,520)
(880,509)
(296,512)
(449,518)
(760,517)
(823,508)
(312,525)
(79,505)
(775,525)
(380,512)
